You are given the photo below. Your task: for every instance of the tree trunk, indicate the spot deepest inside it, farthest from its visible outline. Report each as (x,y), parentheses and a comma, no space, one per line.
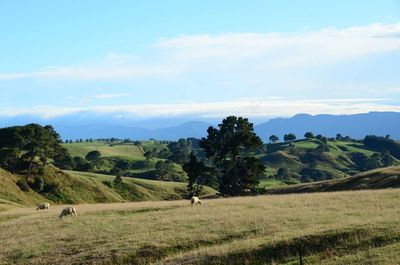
(30,168)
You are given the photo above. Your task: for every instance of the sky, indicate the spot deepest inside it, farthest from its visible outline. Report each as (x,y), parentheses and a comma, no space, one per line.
(151,59)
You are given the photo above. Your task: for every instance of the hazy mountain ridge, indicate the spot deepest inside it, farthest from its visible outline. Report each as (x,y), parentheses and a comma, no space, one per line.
(355,126)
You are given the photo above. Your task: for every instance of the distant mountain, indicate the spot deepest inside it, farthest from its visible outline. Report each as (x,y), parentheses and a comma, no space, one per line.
(184,130)
(355,126)
(173,128)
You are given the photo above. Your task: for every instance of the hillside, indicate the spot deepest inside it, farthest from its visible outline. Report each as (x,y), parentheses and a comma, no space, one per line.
(304,160)
(79,187)
(12,196)
(357,227)
(130,153)
(120,150)
(380,178)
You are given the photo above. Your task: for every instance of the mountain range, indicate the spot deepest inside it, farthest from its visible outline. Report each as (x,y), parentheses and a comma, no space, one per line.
(355,126)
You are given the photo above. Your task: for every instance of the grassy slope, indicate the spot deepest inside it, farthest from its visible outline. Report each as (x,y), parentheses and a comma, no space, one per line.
(127,151)
(357,227)
(120,150)
(379,178)
(11,195)
(336,162)
(79,187)
(143,189)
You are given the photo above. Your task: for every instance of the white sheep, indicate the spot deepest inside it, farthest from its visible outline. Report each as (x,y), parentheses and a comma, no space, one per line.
(68,211)
(43,205)
(195,200)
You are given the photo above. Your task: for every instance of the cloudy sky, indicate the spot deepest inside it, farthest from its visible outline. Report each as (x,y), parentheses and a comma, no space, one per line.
(199,58)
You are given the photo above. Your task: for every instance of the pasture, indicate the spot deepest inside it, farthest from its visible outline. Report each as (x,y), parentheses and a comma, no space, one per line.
(354,227)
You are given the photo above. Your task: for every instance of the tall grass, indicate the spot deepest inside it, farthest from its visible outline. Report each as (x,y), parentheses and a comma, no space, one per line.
(336,228)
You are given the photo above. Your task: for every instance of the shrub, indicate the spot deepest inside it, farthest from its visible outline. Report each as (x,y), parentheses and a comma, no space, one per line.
(23,185)
(108,184)
(118,179)
(38,183)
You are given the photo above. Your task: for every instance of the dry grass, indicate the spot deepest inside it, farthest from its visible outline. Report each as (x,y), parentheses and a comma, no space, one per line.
(334,228)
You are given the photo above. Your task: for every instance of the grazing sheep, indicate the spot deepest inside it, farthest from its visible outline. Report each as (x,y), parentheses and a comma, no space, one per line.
(68,211)
(43,205)
(195,200)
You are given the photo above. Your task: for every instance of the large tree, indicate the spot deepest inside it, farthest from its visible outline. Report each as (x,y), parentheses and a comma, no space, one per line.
(225,147)
(29,142)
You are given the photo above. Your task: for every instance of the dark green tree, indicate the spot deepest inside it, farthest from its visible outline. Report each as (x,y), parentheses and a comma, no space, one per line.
(289,137)
(387,159)
(180,151)
(95,158)
(148,155)
(273,138)
(225,147)
(309,135)
(199,175)
(164,169)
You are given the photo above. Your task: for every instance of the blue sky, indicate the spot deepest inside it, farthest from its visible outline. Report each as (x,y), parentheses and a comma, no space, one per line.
(198,58)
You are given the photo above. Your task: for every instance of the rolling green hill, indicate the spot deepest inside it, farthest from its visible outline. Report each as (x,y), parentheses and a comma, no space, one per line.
(311,159)
(12,196)
(127,150)
(79,187)
(304,160)
(380,178)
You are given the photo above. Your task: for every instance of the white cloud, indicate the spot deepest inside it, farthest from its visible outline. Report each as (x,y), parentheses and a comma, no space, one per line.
(226,53)
(269,107)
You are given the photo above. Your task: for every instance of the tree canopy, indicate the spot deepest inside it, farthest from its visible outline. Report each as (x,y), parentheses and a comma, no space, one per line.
(226,147)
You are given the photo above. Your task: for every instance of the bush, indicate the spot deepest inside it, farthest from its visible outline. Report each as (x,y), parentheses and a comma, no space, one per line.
(23,185)
(118,179)
(38,183)
(108,184)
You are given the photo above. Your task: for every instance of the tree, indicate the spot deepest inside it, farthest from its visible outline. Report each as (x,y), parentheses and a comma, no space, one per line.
(289,137)
(225,146)
(95,158)
(38,183)
(180,151)
(63,159)
(199,174)
(164,168)
(283,174)
(339,137)
(309,135)
(122,164)
(273,138)
(387,159)
(42,142)
(148,155)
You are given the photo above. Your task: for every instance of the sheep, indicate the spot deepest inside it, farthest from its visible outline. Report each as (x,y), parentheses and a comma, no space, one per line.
(43,205)
(195,200)
(68,211)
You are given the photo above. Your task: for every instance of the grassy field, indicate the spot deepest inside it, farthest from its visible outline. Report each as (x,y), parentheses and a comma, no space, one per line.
(380,178)
(129,151)
(358,227)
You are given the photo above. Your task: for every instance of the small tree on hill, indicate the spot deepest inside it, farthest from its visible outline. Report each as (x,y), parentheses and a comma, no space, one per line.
(95,158)
(309,135)
(289,137)
(273,138)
